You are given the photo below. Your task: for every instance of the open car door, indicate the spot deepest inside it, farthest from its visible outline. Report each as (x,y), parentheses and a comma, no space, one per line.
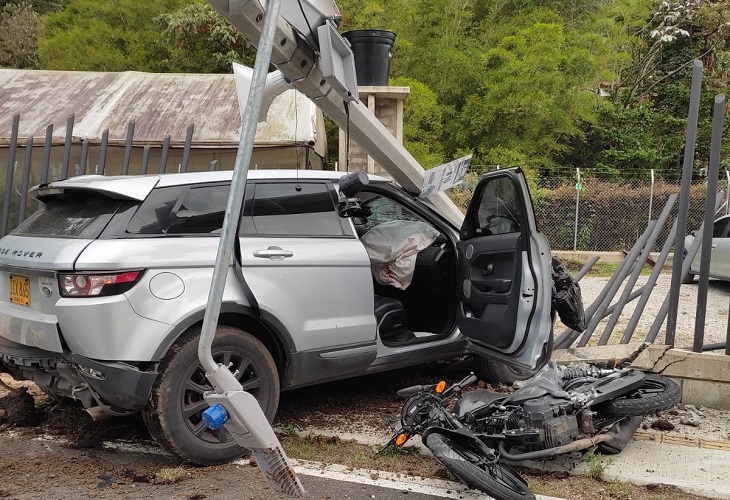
(505,281)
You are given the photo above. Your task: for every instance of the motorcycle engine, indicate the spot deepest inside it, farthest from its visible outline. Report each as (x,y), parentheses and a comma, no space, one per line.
(544,424)
(556,430)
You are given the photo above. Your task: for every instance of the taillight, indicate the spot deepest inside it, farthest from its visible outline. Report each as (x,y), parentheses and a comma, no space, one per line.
(97,285)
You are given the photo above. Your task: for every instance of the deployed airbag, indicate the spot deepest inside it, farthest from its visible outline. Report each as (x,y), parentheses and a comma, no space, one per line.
(393,248)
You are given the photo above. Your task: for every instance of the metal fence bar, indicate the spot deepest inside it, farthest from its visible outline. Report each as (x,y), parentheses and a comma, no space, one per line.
(47,154)
(67,146)
(613,285)
(165,151)
(569,336)
(145,159)
(651,195)
(587,267)
(653,229)
(84,156)
(186,151)
(689,155)
(26,179)
(9,174)
(657,227)
(577,206)
(128,147)
(102,152)
(727,336)
(686,262)
(713,171)
(653,277)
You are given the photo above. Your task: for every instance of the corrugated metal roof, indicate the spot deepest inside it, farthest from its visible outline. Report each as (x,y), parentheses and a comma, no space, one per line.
(160,104)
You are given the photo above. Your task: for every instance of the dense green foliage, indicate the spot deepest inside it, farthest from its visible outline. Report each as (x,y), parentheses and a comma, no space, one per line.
(600,85)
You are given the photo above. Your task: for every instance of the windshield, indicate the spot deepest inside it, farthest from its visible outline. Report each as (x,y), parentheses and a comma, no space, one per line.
(80,214)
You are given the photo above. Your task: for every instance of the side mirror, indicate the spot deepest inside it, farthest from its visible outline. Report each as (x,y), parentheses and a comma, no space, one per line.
(353,183)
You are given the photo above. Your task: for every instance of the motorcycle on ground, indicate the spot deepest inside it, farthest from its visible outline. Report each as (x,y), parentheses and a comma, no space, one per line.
(560,412)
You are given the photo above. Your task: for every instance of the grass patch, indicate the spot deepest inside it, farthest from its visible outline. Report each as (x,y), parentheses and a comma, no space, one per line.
(170,475)
(410,461)
(600,269)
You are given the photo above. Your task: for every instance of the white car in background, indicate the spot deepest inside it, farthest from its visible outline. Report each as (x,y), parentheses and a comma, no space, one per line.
(720,253)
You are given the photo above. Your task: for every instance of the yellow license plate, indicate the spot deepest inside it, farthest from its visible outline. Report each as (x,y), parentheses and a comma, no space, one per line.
(20,290)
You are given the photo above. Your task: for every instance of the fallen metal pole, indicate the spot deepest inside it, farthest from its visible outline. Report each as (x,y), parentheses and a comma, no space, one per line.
(231,406)
(649,287)
(689,155)
(657,227)
(613,285)
(569,336)
(686,262)
(713,172)
(653,228)
(587,267)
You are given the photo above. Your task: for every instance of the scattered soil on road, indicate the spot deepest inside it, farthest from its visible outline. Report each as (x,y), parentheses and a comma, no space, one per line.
(69,454)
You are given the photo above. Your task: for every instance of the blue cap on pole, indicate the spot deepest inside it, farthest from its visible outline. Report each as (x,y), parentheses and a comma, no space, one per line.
(215,417)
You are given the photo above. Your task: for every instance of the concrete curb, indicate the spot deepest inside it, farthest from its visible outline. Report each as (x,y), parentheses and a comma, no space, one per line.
(704,377)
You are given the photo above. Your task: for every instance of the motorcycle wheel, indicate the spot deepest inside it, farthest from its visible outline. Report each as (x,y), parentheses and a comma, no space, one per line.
(656,393)
(494,479)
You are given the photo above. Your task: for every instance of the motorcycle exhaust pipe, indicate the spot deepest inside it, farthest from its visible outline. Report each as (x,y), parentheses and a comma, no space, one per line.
(579,445)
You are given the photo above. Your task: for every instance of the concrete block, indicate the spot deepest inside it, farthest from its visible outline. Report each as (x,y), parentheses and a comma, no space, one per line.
(706,393)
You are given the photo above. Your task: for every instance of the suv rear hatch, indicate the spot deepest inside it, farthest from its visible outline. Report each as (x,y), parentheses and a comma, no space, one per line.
(73,215)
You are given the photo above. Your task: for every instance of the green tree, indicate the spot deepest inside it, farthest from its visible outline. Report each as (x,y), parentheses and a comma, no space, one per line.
(105,35)
(422,123)
(19,25)
(202,41)
(537,91)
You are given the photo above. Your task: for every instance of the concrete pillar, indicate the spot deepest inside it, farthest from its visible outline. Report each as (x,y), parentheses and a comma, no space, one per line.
(386,103)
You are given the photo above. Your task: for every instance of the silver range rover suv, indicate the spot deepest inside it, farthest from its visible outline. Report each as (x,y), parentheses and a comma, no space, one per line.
(103,290)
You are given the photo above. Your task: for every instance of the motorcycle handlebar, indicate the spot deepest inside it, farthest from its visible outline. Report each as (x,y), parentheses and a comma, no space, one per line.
(408,391)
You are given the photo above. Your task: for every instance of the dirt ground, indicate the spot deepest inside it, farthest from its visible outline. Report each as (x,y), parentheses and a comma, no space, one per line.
(66,455)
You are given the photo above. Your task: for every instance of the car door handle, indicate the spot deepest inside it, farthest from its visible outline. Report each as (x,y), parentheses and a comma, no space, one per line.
(273,253)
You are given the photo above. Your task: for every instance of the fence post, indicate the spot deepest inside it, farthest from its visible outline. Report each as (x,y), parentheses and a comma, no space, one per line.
(651,194)
(26,179)
(145,159)
(84,156)
(102,152)
(47,154)
(165,150)
(67,146)
(128,147)
(186,151)
(9,175)
(718,113)
(688,163)
(577,203)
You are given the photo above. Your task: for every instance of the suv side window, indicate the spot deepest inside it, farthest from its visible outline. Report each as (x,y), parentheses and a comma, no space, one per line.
(500,210)
(291,209)
(384,209)
(182,210)
(720,229)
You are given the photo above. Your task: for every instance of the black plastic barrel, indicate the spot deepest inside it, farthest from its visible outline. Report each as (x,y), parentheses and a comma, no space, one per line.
(372,50)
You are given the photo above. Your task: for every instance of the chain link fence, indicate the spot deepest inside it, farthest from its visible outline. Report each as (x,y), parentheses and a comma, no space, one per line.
(600,215)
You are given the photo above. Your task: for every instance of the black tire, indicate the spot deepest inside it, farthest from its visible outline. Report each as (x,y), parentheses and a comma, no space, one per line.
(497,480)
(656,393)
(173,416)
(492,370)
